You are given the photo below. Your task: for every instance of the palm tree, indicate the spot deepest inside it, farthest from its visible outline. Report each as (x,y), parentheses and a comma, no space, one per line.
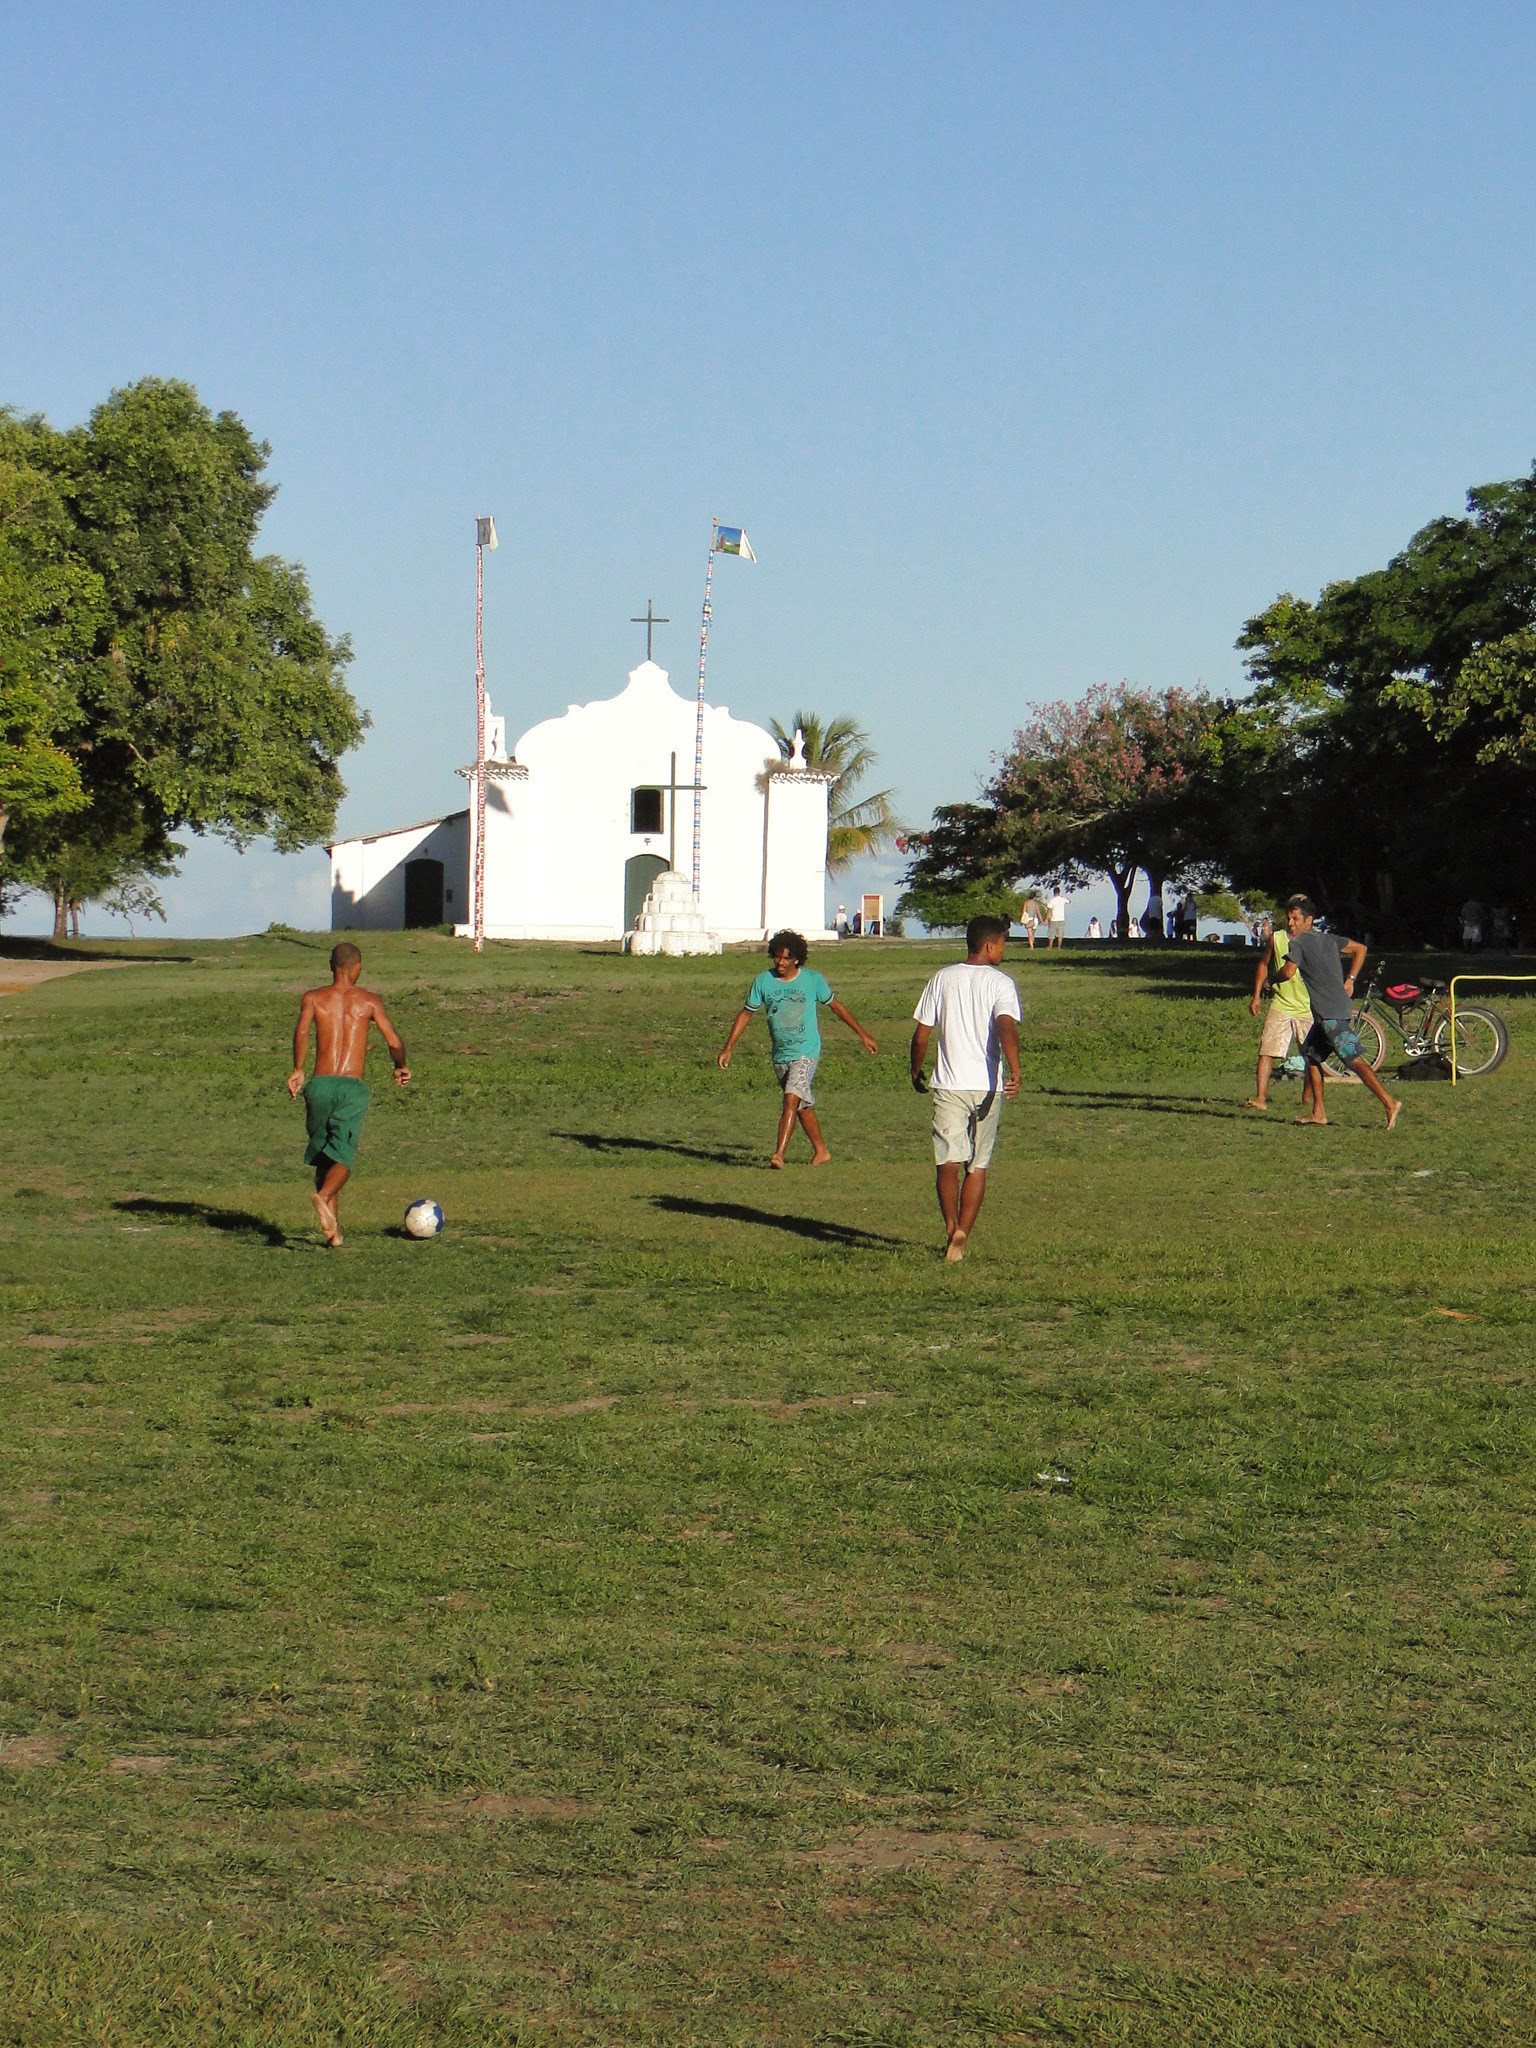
(855,825)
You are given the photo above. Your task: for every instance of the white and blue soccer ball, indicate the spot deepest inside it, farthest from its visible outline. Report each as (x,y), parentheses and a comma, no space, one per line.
(423,1218)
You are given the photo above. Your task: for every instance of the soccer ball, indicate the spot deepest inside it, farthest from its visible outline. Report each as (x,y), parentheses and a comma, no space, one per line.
(423,1218)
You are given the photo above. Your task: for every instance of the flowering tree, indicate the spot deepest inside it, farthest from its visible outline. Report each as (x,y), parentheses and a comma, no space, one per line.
(1108,785)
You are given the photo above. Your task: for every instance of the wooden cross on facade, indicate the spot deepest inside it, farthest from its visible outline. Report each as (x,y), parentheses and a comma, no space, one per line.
(651,620)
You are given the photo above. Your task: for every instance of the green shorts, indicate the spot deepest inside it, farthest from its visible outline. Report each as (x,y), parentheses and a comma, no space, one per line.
(334,1108)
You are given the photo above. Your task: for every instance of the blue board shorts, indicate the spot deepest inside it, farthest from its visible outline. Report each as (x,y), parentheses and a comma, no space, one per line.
(1330,1035)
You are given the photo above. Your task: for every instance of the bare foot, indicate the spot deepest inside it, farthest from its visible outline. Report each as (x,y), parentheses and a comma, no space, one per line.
(1311,1119)
(1253,1102)
(777,1161)
(327,1216)
(1393,1114)
(956,1251)
(822,1159)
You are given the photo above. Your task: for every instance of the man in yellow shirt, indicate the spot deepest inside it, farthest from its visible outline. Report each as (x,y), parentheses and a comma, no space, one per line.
(1287,1020)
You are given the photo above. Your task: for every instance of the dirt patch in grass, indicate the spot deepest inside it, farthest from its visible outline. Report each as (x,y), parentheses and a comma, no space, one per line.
(589,1404)
(878,1849)
(526,1806)
(32,1752)
(147,1764)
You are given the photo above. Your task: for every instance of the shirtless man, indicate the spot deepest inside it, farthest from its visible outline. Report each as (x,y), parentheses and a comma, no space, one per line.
(336,1095)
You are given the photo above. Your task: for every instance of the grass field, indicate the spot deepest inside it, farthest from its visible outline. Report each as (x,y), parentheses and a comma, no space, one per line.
(637,1616)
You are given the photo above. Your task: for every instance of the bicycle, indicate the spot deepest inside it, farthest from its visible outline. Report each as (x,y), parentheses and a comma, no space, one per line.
(1419,1013)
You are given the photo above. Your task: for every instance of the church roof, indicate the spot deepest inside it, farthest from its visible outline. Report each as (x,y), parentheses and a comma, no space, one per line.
(394,831)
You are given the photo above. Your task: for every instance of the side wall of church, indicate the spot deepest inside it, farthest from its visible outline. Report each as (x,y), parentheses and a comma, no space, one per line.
(368,875)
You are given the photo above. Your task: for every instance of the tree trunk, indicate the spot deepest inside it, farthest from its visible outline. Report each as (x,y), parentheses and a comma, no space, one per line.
(74,920)
(1122,879)
(1155,882)
(60,914)
(5,819)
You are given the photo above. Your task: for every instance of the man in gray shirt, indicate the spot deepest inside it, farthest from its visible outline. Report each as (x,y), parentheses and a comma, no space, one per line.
(1318,957)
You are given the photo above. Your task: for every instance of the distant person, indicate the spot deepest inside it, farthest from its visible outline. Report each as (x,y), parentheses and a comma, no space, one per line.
(1152,921)
(856,927)
(1500,928)
(1287,1020)
(1030,918)
(1189,920)
(1095,929)
(840,922)
(1056,912)
(1318,958)
(336,1095)
(974,1007)
(1135,929)
(1471,925)
(789,995)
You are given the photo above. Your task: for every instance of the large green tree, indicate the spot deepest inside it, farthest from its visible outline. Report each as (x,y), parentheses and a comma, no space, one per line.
(1392,729)
(51,612)
(210,697)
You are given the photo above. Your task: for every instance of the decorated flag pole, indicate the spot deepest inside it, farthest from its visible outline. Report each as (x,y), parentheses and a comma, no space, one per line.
(723,540)
(485,537)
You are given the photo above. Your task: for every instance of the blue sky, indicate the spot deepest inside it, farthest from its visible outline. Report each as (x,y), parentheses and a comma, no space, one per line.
(1033,346)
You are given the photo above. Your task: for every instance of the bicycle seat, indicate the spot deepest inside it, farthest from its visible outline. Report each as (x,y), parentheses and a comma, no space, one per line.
(1403,992)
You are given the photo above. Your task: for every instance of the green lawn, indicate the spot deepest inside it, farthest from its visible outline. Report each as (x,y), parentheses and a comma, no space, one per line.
(638,1617)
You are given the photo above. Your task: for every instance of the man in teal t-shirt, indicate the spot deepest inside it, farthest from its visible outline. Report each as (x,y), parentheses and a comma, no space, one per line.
(789,995)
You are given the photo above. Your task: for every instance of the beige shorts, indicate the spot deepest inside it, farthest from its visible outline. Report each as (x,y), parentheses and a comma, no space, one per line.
(1282,1029)
(965,1122)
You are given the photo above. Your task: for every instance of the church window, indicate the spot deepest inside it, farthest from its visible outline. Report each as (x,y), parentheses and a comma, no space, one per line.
(645,810)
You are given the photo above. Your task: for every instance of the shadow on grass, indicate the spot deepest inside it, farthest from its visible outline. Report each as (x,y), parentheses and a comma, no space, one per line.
(844,1234)
(1149,1105)
(597,1141)
(240,1221)
(48,950)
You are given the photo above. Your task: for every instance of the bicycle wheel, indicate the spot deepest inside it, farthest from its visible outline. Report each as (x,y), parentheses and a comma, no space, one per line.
(1481,1039)
(1373,1044)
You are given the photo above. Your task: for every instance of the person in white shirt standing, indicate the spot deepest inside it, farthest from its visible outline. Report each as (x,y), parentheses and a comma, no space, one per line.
(974,1007)
(1056,911)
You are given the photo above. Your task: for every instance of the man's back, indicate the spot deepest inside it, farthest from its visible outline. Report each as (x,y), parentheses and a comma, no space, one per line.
(963,1002)
(342,1016)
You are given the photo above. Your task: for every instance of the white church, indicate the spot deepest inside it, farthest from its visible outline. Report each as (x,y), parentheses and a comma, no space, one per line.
(589,835)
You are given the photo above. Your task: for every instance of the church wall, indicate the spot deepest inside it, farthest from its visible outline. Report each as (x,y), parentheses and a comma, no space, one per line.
(795,853)
(368,875)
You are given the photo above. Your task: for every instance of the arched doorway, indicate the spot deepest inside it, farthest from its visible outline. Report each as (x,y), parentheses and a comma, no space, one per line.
(423,893)
(639,874)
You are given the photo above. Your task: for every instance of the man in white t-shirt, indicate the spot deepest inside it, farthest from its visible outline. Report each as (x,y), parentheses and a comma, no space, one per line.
(1056,911)
(975,1009)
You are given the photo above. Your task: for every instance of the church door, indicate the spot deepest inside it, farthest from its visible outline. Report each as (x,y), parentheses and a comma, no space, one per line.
(423,893)
(639,874)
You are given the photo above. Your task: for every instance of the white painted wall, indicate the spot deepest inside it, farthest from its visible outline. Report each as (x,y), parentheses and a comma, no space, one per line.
(368,875)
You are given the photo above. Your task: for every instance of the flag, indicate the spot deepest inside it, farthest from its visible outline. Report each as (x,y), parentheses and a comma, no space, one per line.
(730,540)
(485,533)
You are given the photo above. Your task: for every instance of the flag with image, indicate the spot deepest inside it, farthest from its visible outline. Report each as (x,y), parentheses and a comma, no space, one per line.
(730,540)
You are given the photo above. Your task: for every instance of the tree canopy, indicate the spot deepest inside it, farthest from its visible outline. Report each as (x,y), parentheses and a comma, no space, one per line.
(182,677)
(1384,761)
(1111,784)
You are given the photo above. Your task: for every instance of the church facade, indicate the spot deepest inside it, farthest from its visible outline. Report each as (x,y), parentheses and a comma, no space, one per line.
(588,810)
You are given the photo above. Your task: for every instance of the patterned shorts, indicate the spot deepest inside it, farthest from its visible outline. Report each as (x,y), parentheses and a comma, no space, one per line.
(795,1078)
(1331,1035)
